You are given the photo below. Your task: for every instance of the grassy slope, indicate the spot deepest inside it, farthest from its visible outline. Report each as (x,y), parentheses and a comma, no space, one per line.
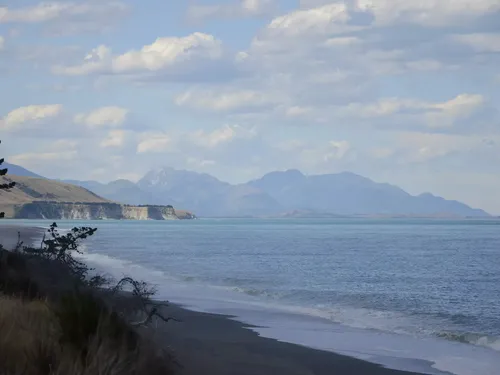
(53,324)
(29,189)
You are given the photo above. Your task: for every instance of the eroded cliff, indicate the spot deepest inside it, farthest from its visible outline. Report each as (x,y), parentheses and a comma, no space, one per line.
(95,211)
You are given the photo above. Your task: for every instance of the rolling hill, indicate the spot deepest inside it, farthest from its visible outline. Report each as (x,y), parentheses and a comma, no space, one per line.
(29,189)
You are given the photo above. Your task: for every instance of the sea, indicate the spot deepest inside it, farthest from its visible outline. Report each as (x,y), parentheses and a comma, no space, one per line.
(411,294)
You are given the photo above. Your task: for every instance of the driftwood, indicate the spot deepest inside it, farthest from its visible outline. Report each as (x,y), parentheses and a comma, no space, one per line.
(148,307)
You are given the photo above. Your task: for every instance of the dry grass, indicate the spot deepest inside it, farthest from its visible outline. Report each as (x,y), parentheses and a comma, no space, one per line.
(52,325)
(29,189)
(31,343)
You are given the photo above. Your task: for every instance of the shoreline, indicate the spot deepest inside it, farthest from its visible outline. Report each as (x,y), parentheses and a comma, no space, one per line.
(226,346)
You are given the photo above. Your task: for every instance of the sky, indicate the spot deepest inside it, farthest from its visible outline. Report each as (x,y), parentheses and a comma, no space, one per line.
(400,91)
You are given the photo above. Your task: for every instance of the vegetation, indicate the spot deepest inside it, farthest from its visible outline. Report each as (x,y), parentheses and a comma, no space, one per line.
(31,189)
(6,185)
(55,318)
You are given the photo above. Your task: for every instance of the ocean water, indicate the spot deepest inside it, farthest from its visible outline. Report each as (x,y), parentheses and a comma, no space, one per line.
(412,294)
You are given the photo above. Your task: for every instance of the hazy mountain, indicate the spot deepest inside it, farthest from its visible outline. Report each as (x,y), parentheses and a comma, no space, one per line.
(351,194)
(278,192)
(206,195)
(17,170)
(123,191)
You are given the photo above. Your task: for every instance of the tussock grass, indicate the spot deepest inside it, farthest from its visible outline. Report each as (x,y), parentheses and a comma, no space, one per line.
(37,338)
(54,320)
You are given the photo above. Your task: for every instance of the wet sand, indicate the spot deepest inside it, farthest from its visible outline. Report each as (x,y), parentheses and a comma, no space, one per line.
(215,344)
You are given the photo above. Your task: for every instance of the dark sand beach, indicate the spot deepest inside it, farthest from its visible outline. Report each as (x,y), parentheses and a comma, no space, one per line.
(215,344)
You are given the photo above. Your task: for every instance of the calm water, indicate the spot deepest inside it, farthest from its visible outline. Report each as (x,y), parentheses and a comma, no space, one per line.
(414,278)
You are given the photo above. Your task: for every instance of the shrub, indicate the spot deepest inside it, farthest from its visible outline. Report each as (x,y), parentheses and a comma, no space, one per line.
(31,344)
(66,322)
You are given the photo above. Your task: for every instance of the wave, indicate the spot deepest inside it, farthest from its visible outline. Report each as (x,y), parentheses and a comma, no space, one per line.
(355,317)
(477,339)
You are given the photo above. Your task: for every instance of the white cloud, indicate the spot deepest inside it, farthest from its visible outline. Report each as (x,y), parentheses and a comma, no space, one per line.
(165,54)
(369,37)
(116,138)
(342,41)
(154,143)
(327,17)
(50,11)
(235,9)
(105,116)
(2,42)
(32,114)
(433,115)
(382,107)
(33,159)
(39,13)
(200,163)
(424,147)
(327,156)
(448,112)
(221,136)
(67,16)
(226,100)
(433,13)
(338,150)
(324,20)
(480,42)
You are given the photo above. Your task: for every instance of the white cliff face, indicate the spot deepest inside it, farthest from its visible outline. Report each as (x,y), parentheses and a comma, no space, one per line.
(135,213)
(93,211)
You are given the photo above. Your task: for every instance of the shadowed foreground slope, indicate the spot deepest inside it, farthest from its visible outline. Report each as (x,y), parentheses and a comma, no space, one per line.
(56,320)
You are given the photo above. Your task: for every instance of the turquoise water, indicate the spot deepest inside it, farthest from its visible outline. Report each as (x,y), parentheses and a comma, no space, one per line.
(424,279)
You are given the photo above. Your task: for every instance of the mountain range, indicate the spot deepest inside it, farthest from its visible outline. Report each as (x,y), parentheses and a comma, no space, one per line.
(283,193)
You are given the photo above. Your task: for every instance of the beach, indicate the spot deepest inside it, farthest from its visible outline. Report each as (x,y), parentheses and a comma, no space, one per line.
(215,344)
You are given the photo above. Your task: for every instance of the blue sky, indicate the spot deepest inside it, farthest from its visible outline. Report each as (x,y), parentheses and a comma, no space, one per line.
(401,91)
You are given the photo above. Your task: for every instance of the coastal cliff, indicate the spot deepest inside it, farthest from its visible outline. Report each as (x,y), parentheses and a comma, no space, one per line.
(94,211)
(39,198)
